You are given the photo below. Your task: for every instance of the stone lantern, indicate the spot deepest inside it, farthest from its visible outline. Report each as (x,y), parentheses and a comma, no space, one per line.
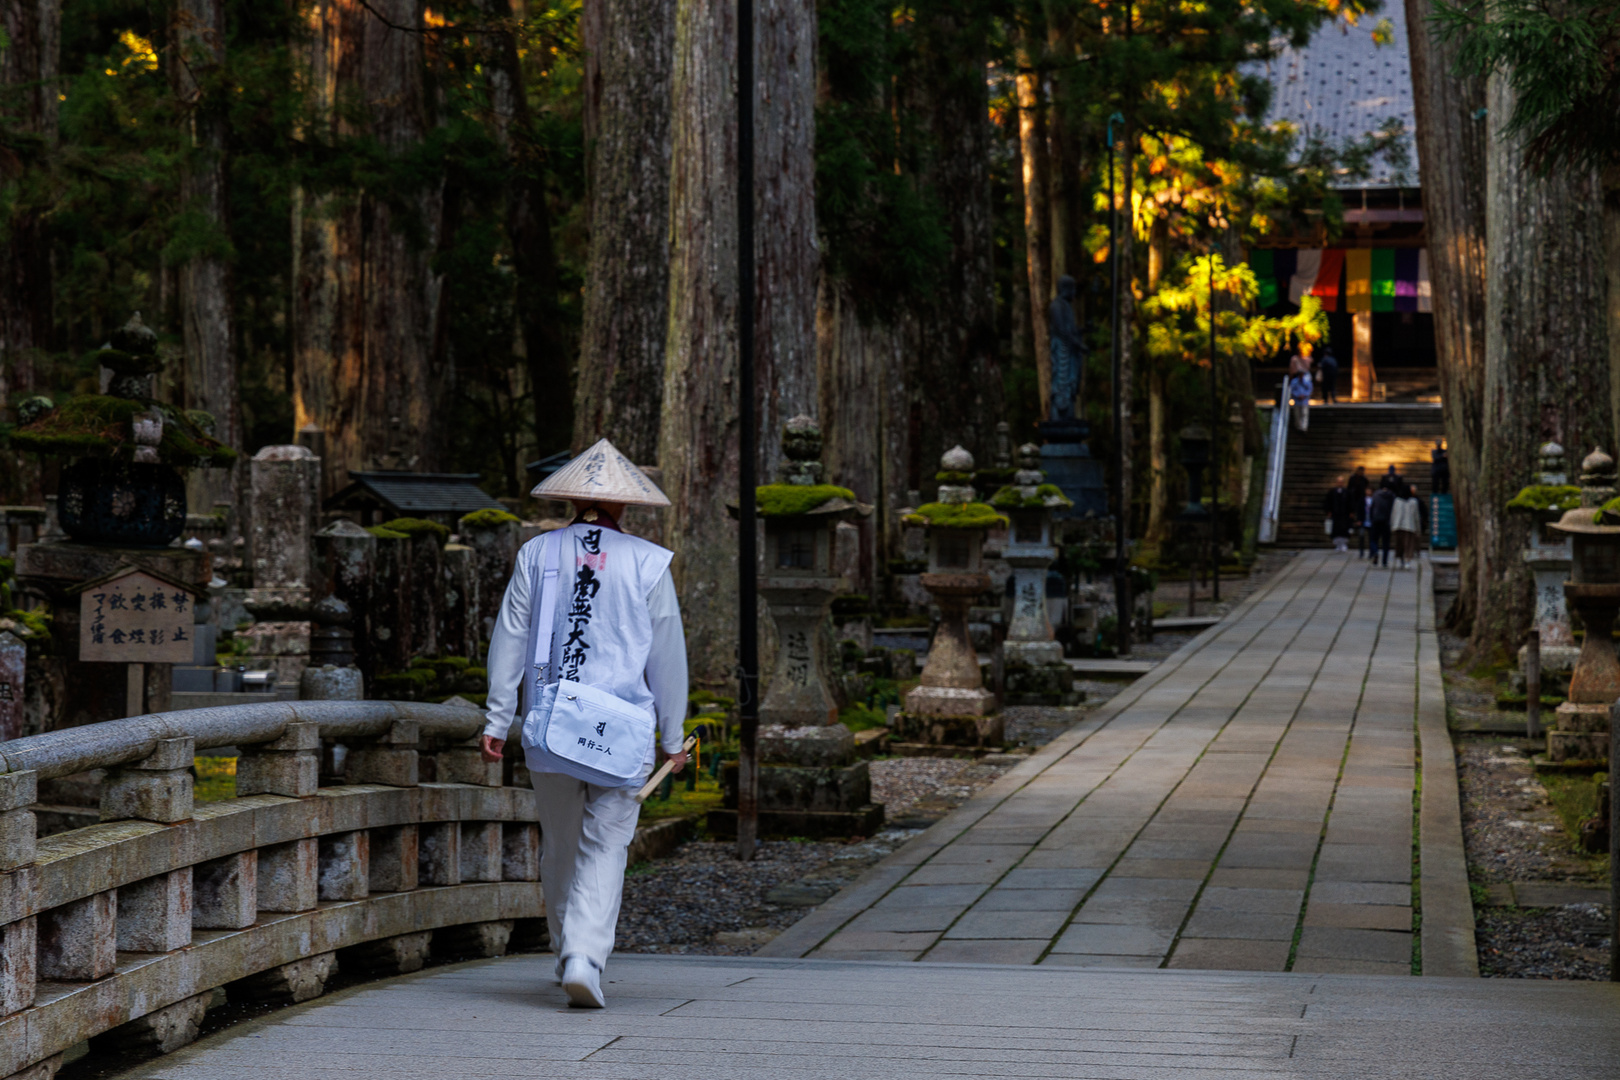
(810,783)
(1035,671)
(1548,557)
(1581,728)
(1195,459)
(951,707)
(800,515)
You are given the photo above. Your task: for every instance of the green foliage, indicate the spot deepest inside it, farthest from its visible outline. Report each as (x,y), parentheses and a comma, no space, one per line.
(973,515)
(487,518)
(215,779)
(862,717)
(1543,497)
(1559,60)
(382,532)
(98,426)
(789,500)
(418,527)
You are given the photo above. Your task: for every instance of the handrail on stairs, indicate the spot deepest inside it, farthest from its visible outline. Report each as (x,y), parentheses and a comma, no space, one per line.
(1276,455)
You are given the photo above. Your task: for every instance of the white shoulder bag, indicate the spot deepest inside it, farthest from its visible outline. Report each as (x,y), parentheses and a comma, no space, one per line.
(574,729)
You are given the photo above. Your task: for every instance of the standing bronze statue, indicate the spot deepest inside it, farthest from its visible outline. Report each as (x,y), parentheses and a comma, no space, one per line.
(1068,351)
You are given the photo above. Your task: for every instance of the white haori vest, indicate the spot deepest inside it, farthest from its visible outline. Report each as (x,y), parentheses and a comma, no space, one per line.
(602,628)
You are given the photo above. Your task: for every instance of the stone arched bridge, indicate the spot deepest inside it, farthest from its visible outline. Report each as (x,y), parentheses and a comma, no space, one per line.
(123,930)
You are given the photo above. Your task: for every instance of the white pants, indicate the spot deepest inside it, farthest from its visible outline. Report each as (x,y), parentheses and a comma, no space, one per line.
(585,834)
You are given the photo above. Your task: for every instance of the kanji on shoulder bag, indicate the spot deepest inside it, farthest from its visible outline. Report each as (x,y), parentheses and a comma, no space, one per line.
(575,729)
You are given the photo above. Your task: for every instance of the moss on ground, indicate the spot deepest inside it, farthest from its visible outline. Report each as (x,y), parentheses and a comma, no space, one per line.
(789,500)
(215,779)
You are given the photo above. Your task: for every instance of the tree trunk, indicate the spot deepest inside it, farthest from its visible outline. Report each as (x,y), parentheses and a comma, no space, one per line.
(629,57)
(1451,141)
(28,73)
(788,262)
(955,381)
(1032,138)
(697,442)
(1158,433)
(210,376)
(860,370)
(1127,322)
(369,359)
(1546,356)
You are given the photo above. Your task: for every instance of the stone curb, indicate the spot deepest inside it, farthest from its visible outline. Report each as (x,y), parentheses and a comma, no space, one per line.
(805,935)
(1447,935)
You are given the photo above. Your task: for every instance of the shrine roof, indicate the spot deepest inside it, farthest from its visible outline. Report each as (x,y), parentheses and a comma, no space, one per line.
(412,494)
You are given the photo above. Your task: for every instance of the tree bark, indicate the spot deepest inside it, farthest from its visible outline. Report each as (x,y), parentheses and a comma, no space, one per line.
(697,442)
(629,68)
(28,71)
(1032,138)
(955,380)
(369,361)
(1158,435)
(1451,140)
(205,300)
(1546,356)
(1127,322)
(788,261)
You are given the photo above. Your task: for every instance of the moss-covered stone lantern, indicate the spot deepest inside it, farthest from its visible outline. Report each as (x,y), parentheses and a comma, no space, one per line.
(123,487)
(1548,557)
(800,514)
(1581,728)
(951,707)
(1035,671)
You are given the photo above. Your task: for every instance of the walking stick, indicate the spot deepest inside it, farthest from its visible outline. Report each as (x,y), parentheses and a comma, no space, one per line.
(663,771)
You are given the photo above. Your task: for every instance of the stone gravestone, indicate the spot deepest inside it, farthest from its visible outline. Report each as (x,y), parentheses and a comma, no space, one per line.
(1035,671)
(13,667)
(286,508)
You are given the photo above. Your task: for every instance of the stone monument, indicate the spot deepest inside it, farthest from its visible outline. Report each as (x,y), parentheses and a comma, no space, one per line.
(1548,556)
(951,707)
(121,502)
(1035,672)
(1065,457)
(809,783)
(1067,350)
(1580,729)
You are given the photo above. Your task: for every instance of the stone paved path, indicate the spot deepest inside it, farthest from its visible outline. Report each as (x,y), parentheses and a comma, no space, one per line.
(752,1019)
(1248,805)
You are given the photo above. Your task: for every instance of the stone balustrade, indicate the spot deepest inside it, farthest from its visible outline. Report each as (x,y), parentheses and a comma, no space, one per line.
(123,932)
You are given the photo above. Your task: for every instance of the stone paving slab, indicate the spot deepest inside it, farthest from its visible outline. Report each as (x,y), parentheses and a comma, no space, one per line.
(754,1019)
(1245,805)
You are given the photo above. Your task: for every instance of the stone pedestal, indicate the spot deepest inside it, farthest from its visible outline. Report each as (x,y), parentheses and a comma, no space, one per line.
(1032,661)
(1581,724)
(810,784)
(798,694)
(286,510)
(1067,462)
(1550,565)
(951,706)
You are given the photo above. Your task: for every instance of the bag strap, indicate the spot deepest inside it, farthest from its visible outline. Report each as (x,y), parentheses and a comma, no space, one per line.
(548,609)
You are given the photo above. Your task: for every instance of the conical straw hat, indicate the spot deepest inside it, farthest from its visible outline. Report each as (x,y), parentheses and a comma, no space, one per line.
(601,474)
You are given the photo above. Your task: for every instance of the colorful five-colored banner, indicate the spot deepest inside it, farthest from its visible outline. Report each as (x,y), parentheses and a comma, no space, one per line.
(1366,279)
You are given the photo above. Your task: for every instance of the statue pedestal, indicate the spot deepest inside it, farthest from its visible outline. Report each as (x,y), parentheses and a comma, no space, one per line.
(1067,462)
(810,784)
(1581,726)
(1033,663)
(951,707)
(1550,565)
(798,694)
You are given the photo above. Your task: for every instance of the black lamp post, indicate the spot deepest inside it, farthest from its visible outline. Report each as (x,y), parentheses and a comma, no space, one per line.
(747,521)
(1195,443)
(1122,574)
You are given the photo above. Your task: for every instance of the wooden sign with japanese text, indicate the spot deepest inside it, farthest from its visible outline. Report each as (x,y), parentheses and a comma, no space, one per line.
(135,618)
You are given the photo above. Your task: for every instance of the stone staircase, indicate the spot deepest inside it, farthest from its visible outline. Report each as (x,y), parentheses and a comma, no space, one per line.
(1342,437)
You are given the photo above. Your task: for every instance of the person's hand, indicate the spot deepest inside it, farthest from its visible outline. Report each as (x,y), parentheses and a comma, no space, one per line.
(679,760)
(491,748)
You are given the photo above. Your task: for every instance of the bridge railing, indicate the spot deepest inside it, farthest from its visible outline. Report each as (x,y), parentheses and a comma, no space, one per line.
(123,932)
(1276,458)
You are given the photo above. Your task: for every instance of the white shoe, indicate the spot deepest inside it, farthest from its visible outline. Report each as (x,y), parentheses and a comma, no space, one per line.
(582,983)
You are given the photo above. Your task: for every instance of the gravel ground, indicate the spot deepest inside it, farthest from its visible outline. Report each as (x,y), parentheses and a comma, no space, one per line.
(702,900)
(1544,943)
(1510,829)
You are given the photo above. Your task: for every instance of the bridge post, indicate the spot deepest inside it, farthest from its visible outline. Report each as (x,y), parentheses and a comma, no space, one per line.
(18,888)
(390,758)
(289,765)
(156,788)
